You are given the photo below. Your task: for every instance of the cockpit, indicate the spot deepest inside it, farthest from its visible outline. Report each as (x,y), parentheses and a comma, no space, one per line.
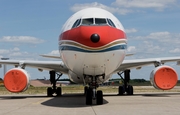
(93,22)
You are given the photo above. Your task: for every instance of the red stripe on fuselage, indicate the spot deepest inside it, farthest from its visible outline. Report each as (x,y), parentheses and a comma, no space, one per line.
(82,35)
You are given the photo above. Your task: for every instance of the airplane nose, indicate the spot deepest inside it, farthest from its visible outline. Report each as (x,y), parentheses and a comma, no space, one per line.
(95,38)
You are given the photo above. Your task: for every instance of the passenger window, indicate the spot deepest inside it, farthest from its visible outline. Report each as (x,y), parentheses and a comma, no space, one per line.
(87,21)
(77,23)
(110,22)
(100,21)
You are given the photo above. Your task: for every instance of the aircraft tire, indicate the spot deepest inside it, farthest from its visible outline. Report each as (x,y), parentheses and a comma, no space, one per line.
(89,97)
(120,90)
(85,90)
(130,90)
(49,92)
(59,91)
(99,98)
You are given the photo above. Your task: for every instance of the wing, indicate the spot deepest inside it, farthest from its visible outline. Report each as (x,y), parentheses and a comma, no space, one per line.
(138,63)
(51,56)
(41,65)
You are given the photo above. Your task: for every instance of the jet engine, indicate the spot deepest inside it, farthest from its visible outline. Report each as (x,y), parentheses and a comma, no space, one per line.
(163,77)
(16,80)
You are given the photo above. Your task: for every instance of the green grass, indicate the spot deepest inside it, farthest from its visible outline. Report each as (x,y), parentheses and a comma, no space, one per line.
(80,89)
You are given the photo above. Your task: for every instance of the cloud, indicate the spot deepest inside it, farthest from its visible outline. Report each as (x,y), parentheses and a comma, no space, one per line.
(4,51)
(158,35)
(150,47)
(123,7)
(131,49)
(54,52)
(21,39)
(132,30)
(157,4)
(16,53)
(150,50)
(156,44)
(16,49)
(122,11)
(11,52)
(164,37)
(176,50)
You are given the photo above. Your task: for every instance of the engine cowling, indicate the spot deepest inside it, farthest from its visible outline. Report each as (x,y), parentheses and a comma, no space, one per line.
(163,77)
(16,80)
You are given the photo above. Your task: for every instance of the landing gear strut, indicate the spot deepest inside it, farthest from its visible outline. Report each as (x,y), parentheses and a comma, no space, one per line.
(54,89)
(125,88)
(91,93)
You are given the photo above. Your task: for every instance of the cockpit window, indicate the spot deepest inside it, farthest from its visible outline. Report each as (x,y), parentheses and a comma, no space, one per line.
(87,21)
(110,22)
(93,21)
(100,21)
(77,23)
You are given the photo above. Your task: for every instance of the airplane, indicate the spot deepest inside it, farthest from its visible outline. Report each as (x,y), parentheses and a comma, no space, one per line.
(92,47)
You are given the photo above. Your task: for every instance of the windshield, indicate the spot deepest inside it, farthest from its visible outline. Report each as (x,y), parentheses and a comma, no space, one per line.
(93,21)
(100,21)
(87,21)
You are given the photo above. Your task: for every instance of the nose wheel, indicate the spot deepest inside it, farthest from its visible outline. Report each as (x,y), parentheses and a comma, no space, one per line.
(90,98)
(99,98)
(91,93)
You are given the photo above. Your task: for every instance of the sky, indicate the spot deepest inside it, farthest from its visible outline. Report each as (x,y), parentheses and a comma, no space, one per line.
(29,28)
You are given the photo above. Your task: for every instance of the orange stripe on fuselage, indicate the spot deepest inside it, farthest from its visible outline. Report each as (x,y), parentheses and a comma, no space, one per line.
(82,35)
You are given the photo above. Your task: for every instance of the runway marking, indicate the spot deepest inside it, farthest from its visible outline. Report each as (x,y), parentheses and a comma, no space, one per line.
(93,110)
(40,101)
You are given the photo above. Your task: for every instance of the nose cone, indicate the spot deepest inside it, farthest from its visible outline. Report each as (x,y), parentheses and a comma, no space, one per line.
(95,38)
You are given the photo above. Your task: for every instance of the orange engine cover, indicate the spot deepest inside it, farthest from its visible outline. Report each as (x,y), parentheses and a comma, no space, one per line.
(163,77)
(16,80)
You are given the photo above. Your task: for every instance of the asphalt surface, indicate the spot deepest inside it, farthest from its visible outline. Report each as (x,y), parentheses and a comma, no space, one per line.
(74,104)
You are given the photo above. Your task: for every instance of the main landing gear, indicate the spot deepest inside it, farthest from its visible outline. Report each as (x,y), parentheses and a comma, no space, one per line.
(128,89)
(91,93)
(54,89)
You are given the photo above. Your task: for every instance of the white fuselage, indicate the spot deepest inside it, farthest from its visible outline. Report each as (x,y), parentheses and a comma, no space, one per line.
(82,55)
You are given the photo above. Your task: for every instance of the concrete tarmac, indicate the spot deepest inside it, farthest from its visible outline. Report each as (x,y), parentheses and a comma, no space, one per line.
(74,104)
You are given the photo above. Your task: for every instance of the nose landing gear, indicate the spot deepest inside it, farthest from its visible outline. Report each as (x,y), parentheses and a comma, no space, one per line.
(91,93)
